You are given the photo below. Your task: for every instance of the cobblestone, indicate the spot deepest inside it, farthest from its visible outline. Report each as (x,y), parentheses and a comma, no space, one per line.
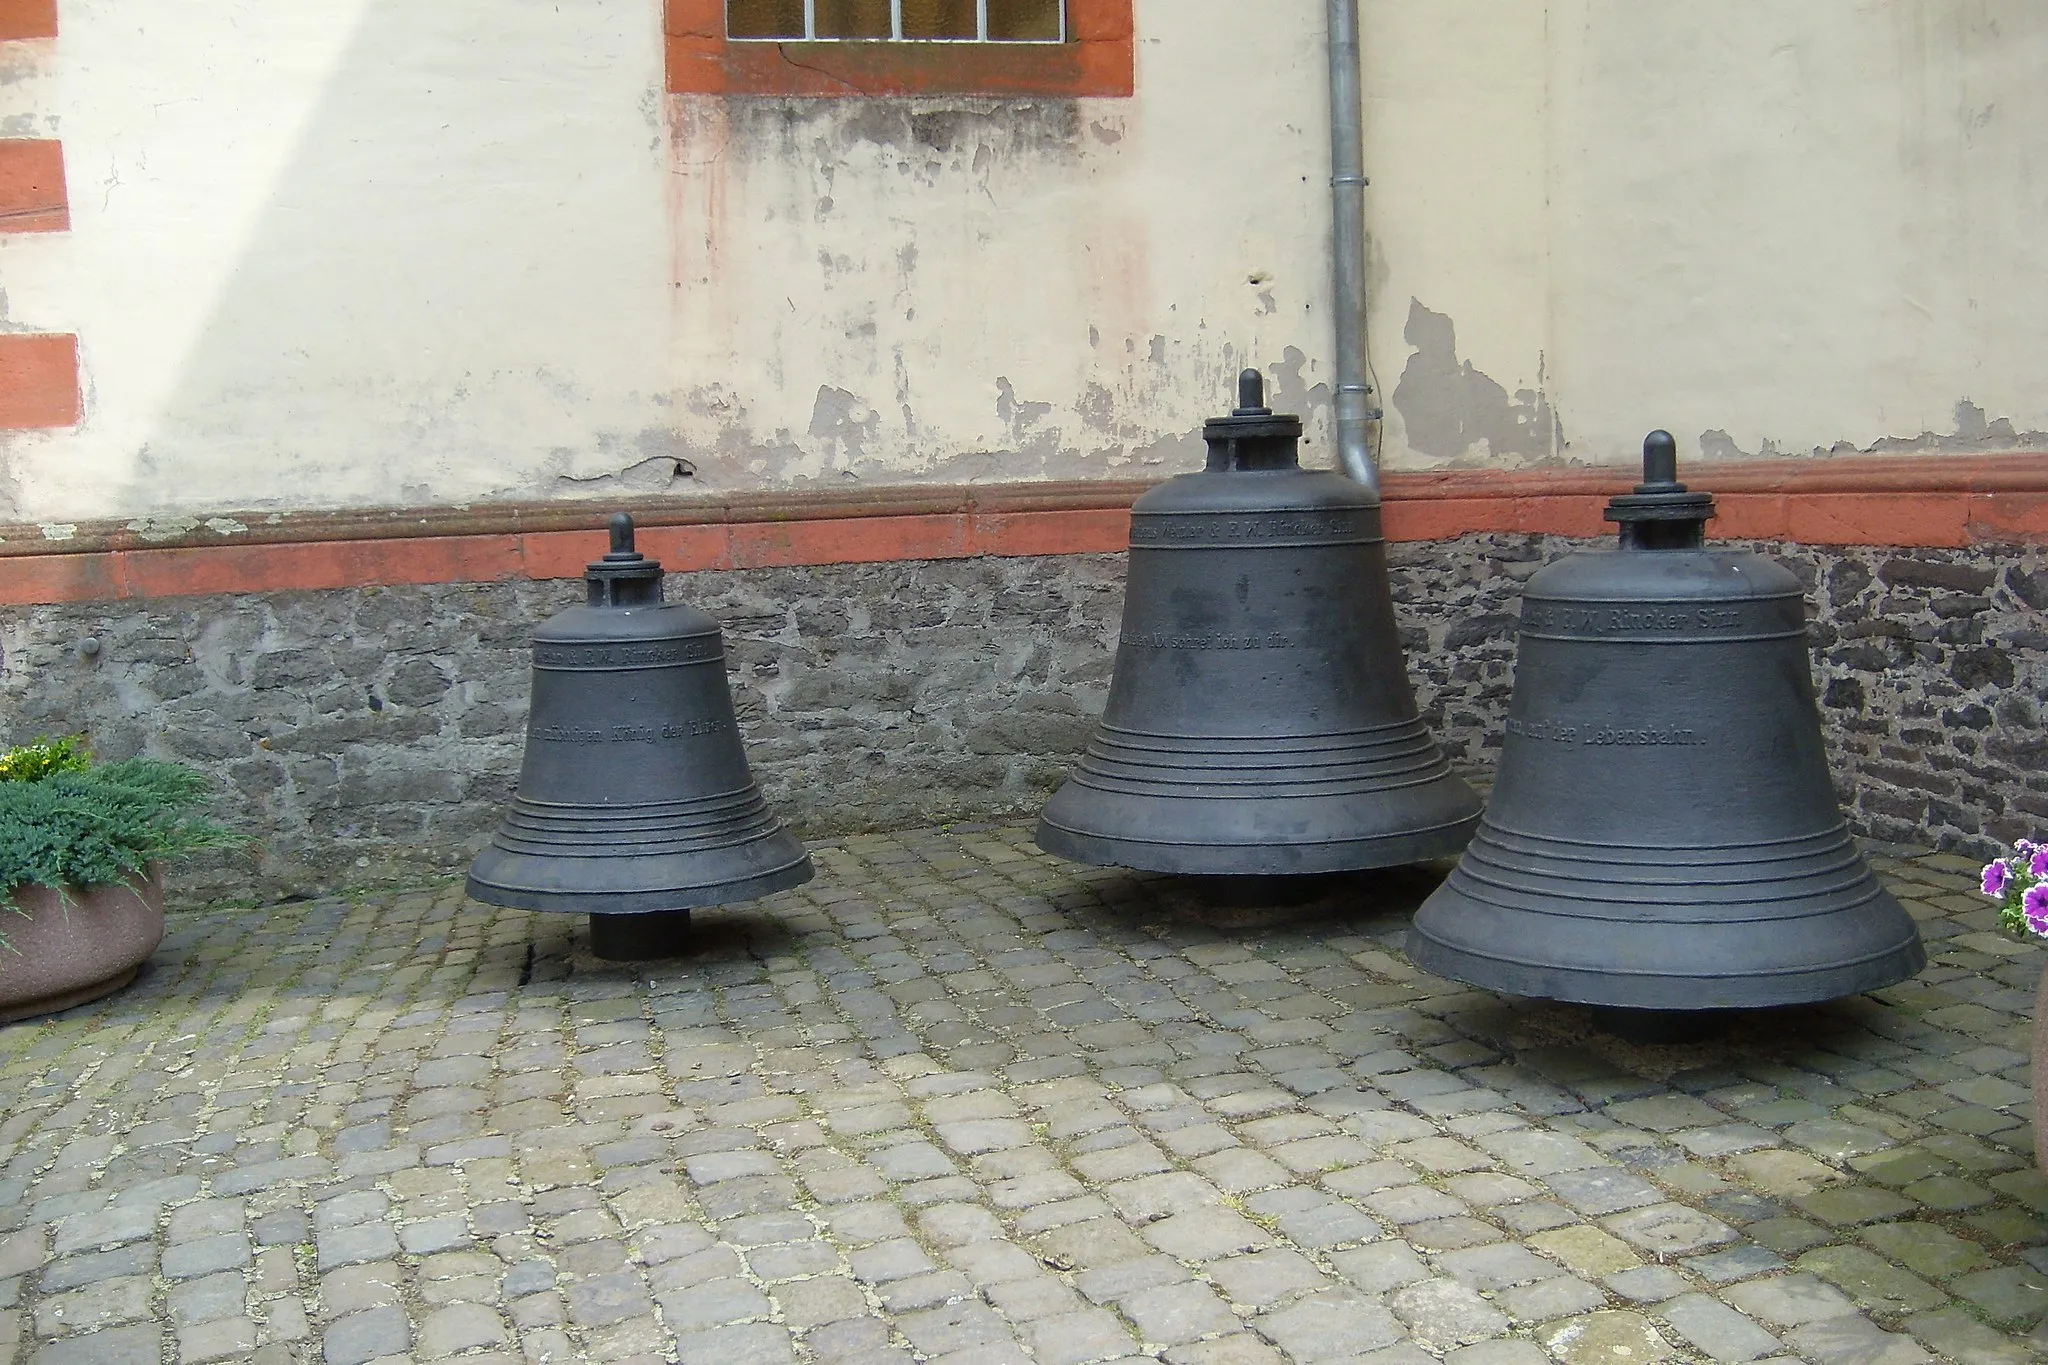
(957,1101)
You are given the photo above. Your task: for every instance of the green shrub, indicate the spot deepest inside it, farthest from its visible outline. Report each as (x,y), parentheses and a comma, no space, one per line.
(65,822)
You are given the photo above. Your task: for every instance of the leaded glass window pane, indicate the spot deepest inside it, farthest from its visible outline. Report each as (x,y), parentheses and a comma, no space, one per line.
(764,18)
(988,21)
(941,19)
(852,19)
(1021,21)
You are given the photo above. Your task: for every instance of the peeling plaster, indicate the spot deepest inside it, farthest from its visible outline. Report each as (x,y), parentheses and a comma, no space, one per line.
(661,474)
(10,483)
(1453,411)
(149,529)
(929,137)
(1974,435)
(1288,389)
(1018,417)
(1103,434)
(1043,450)
(846,422)
(650,460)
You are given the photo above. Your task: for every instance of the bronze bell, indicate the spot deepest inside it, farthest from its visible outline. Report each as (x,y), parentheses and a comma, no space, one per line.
(1663,833)
(1259,722)
(635,802)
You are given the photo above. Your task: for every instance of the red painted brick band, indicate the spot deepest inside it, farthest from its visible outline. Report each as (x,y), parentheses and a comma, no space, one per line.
(32,194)
(38,380)
(1948,502)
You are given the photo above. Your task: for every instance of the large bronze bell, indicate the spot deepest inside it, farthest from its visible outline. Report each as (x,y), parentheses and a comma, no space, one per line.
(1663,834)
(635,803)
(1259,722)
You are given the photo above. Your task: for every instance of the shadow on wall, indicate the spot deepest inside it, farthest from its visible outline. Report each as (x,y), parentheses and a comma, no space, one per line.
(457,268)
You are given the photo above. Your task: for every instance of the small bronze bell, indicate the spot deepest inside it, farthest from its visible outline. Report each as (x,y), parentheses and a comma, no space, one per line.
(1259,721)
(635,802)
(1663,833)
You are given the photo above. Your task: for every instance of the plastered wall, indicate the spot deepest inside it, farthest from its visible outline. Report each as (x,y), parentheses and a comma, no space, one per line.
(357,251)
(1775,229)
(371,251)
(378,252)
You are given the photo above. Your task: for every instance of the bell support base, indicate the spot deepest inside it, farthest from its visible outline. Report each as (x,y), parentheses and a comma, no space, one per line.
(639,938)
(1656,1027)
(1254,893)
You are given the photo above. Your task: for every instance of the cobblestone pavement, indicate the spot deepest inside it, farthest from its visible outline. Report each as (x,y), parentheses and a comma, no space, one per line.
(958,1101)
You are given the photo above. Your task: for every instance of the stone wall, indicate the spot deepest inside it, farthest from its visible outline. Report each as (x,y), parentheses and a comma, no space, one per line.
(370,736)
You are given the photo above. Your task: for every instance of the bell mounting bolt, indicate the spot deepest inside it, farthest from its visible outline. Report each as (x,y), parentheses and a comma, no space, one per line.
(1251,395)
(1661,514)
(1660,464)
(622,550)
(624,577)
(1253,436)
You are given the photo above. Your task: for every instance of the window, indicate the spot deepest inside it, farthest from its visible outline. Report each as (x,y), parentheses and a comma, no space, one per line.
(1059,48)
(981,21)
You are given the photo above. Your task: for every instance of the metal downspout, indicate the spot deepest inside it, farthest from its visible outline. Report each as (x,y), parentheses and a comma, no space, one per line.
(1347,206)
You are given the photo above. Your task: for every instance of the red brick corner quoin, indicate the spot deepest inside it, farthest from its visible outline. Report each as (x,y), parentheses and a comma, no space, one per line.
(1099,59)
(32,194)
(1948,502)
(38,380)
(21,19)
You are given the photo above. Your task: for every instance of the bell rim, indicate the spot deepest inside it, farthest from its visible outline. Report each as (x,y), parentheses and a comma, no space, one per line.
(1350,852)
(645,900)
(1751,989)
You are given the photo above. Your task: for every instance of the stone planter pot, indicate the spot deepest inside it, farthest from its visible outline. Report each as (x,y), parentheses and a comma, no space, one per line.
(72,949)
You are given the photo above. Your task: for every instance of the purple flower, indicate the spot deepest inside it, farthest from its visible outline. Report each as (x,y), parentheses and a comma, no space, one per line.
(1997,876)
(2038,866)
(2035,906)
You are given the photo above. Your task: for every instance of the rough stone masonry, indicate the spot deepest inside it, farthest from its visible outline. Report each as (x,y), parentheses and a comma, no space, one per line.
(368,736)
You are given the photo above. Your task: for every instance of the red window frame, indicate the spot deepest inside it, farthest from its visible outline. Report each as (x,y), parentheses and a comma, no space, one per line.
(1098,60)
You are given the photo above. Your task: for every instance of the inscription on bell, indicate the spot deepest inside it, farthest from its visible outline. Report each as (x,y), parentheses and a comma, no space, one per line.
(1162,640)
(1264,528)
(632,734)
(1577,734)
(629,656)
(1543,729)
(1644,735)
(1653,618)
